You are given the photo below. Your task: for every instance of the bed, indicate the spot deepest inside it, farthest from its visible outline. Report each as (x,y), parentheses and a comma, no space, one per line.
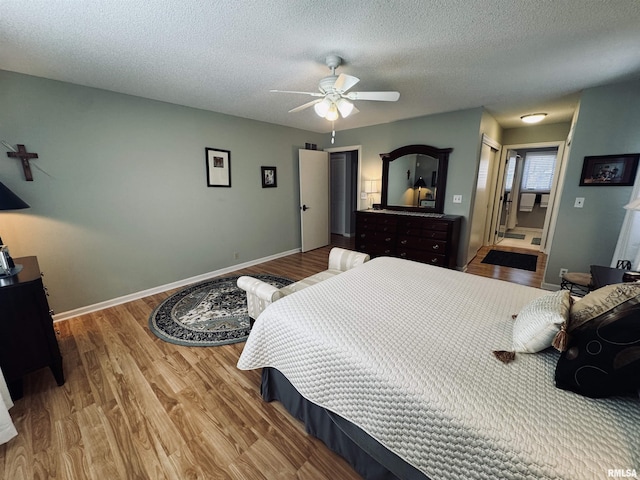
(401,353)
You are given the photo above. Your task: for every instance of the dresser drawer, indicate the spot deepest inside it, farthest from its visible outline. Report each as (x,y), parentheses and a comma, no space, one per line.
(420,231)
(434,235)
(376,248)
(422,256)
(373,237)
(375,219)
(422,243)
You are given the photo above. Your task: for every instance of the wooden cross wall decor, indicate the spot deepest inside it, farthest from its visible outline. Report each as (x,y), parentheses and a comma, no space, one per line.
(24,156)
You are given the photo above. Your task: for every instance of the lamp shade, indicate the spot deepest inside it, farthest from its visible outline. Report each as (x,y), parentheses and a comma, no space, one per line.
(9,200)
(332,114)
(370,186)
(322,108)
(419,183)
(345,107)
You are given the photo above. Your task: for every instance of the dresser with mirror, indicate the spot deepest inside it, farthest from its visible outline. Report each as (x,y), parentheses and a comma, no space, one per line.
(410,222)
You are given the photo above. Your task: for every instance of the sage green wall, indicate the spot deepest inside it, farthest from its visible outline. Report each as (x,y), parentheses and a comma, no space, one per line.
(536,133)
(125,206)
(608,123)
(458,130)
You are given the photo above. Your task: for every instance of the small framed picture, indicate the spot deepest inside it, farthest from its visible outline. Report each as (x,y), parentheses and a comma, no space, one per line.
(269,179)
(218,167)
(609,170)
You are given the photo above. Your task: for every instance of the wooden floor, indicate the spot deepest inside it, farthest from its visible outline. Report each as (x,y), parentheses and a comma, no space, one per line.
(135,407)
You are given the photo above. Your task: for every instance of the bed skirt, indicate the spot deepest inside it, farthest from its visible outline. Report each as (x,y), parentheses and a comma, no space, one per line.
(365,454)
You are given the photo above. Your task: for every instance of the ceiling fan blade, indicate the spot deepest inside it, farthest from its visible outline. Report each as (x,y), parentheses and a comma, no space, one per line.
(313,94)
(306,105)
(345,82)
(379,96)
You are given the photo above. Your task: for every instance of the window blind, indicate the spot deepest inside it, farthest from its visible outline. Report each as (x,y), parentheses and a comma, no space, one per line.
(538,171)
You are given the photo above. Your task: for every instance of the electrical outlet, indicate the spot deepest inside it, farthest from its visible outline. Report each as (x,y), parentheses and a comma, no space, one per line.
(457,199)
(579,202)
(563,271)
(363,195)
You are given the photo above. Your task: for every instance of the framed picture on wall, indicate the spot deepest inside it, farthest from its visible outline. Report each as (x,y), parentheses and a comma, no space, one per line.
(218,167)
(609,170)
(269,179)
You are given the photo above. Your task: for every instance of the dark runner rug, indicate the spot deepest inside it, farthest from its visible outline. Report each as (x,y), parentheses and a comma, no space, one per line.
(207,314)
(522,261)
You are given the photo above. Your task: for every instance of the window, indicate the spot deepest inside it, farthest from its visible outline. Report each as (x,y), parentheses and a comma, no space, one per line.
(538,170)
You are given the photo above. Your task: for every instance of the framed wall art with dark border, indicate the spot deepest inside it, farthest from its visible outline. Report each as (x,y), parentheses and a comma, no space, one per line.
(269,178)
(218,167)
(609,170)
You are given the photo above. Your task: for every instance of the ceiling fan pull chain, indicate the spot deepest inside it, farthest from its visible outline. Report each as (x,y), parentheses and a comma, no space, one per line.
(333,133)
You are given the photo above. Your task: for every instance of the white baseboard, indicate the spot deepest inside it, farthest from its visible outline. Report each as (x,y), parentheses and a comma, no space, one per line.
(163,288)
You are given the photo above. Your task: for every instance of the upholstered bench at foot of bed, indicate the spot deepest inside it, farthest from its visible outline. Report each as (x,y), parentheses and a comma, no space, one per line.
(260,294)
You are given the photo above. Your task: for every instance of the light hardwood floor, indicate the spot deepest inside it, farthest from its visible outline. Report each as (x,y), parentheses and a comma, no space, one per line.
(135,407)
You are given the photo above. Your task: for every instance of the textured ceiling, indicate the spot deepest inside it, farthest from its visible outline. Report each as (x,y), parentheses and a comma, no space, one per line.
(511,56)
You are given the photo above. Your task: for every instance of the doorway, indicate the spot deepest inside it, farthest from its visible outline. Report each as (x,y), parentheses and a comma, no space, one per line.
(527,184)
(344,185)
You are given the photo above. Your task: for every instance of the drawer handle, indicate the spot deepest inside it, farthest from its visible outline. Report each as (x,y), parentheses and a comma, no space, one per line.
(388,239)
(387,251)
(436,247)
(433,234)
(434,260)
(403,242)
(51,312)
(363,235)
(403,254)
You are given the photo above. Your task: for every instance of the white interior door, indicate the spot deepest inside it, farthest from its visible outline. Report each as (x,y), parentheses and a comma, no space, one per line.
(481,201)
(314,198)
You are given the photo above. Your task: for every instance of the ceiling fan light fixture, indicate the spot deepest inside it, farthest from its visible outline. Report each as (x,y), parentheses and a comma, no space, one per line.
(533,117)
(332,114)
(345,107)
(322,108)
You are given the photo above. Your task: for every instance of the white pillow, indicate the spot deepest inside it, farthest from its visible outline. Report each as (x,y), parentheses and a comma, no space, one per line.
(540,320)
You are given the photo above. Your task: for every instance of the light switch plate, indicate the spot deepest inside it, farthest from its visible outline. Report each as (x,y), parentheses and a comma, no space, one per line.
(579,202)
(457,199)
(363,195)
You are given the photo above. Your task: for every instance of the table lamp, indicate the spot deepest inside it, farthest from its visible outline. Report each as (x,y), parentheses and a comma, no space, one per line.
(8,201)
(370,187)
(419,185)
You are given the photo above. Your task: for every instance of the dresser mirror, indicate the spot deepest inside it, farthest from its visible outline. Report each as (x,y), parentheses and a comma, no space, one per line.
(414,178)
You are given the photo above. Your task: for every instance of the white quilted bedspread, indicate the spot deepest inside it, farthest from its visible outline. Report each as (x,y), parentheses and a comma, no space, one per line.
(403,350)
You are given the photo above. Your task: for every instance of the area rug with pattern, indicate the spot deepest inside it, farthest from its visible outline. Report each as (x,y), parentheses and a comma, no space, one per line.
(207,314)
(522,261)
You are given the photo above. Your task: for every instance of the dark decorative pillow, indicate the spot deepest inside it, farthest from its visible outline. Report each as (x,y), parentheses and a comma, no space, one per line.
(603,354)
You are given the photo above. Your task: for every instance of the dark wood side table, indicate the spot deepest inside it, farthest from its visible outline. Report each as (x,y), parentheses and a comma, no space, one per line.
(601,276)
(27,339)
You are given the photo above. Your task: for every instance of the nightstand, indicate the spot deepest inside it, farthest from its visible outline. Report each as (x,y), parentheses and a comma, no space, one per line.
(27,339)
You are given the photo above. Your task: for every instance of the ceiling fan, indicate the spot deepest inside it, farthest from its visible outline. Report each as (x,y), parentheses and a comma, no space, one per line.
(333,99)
